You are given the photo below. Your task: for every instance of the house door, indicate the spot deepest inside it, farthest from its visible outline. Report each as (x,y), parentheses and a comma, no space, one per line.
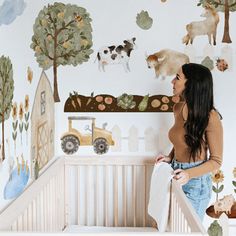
(43,144)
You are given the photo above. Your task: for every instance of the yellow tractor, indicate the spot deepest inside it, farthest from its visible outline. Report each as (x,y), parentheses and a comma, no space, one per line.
(100,138)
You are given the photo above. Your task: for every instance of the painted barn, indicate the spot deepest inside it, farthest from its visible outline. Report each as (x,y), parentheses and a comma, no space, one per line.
(42,124)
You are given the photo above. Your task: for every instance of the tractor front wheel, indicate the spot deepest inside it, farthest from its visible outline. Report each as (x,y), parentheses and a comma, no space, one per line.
(100,146)
(70,144)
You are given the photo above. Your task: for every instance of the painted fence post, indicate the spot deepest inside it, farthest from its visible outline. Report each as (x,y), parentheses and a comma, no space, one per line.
(150,139)
(116,135)
(133,141)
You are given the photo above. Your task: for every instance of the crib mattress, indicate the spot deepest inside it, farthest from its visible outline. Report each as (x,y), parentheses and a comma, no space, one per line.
(101,229)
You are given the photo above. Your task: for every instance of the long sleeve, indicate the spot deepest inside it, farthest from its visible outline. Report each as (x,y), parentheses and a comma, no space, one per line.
(214,139)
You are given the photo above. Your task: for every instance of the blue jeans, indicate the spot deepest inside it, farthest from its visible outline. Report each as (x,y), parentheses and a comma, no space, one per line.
(197,190)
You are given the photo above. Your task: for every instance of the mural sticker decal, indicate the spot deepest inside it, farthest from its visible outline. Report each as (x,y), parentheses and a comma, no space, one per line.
(225,6)
(99,138)
(62,36)
(116,54)
(6,96)
(143,20)
(123,103)
(206,27)
(10,9)
(207,62)
(17,180)
(166,62)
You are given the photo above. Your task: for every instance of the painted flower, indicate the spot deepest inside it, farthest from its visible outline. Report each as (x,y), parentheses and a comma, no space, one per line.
(234,172)
(217,176)
(14,111)
(29,74)
(21,111)
(26,103)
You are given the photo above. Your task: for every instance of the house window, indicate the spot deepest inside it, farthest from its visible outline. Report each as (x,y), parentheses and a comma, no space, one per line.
(43,102)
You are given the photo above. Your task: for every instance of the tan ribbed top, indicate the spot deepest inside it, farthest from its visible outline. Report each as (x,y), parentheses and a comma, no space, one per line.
(213,142)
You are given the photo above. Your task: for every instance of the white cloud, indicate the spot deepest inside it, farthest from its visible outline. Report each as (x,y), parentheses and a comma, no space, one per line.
(10,9)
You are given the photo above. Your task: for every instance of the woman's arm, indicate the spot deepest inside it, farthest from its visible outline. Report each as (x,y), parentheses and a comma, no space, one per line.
(214,139)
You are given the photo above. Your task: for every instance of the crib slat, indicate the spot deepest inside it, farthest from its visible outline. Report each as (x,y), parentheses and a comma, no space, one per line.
(124,195)
(106,195)
(134,196)
(145,196)
(78,195)
(115,184)
(97,196)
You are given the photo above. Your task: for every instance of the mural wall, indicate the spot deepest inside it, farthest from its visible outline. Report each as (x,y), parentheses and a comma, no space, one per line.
(108,68)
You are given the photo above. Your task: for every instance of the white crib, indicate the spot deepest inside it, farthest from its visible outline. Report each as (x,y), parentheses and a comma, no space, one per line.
(95,194)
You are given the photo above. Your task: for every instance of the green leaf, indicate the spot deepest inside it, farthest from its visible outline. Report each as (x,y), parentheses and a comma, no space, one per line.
(214,189)
(235,190)
(220,188)
(199,4)
(234,183)
(27,116)
(26,126)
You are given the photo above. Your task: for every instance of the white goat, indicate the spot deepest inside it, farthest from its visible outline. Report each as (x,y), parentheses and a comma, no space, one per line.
(206,27)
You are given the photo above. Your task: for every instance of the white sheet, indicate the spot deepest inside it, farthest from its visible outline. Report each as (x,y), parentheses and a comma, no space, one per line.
(100,229)
(159,197)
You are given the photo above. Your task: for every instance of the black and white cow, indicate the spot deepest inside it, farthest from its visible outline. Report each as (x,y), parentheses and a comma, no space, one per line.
(116,55)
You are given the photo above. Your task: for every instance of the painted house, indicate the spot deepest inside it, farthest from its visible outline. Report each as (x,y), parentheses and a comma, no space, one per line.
(42,124)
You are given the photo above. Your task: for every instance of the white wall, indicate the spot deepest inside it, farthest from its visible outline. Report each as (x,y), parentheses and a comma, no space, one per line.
(114,21)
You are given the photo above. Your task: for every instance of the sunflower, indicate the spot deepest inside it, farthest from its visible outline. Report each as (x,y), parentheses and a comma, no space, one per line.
(217,176)
(26,103)
(21,111)
(234,172)
(14,111)
(29,74)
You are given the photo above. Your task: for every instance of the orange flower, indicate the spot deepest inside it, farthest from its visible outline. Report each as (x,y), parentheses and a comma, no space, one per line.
(29,75)
(26,103)
(21,111)
(217,176)
(14,111)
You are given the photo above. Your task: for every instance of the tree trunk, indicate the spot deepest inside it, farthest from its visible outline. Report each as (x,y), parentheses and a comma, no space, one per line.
(3,145)
(55,92)
(226,36)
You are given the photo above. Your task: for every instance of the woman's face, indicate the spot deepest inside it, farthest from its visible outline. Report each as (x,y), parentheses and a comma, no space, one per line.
(179,83)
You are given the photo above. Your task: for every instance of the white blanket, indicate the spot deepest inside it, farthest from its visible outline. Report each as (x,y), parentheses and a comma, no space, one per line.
(159,196)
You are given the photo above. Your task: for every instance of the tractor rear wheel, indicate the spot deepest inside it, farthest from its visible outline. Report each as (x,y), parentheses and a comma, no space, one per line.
(100,146)
(70,144)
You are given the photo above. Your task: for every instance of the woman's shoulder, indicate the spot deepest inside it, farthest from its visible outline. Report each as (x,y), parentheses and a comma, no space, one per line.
(214,119)
(214,115)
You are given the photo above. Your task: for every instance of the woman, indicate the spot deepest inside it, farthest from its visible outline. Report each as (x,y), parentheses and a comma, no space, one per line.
(197,130)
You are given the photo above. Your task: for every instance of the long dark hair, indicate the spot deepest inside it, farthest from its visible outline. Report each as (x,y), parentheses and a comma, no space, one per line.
(198,94)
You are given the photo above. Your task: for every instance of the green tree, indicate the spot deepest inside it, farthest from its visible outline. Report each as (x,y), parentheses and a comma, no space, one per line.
(6,93)
(62,36)
(223,6)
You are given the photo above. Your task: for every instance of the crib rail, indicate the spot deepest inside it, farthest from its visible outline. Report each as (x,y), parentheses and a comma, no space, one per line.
(41,206)
(95,191)
(183,217)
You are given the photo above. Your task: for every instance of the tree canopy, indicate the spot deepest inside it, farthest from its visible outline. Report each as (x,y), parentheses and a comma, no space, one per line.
(62,36)
(6,93)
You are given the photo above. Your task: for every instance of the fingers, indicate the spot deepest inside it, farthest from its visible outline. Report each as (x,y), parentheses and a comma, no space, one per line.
(177,171)
(160,159)
(181,176)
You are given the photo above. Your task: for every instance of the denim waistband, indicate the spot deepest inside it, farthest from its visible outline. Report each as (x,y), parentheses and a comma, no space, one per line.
(185,165)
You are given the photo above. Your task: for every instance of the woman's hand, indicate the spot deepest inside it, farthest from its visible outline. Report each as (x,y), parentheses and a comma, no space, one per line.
(162,158)
(181,176)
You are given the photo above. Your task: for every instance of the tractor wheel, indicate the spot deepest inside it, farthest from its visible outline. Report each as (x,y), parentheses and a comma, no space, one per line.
(100,146)
(70,144)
